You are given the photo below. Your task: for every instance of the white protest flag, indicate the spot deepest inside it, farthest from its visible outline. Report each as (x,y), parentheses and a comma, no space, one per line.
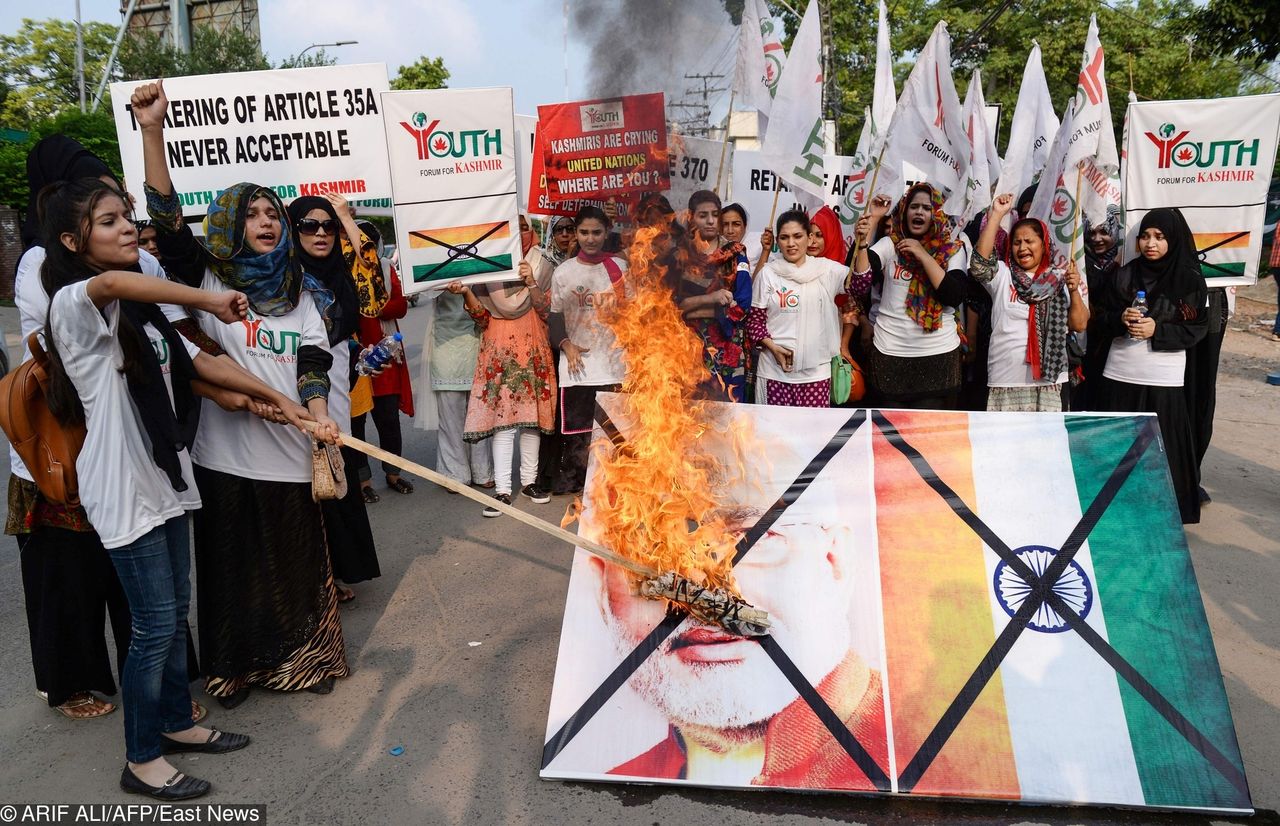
(1034,126)
(794,145)
(1092,145)
(854,199)
(751,79)
(1055,201)
(927,130)
(884,97)
(984,163)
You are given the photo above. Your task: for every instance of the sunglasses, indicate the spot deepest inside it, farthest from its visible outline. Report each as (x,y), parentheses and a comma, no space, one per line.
(565,228)
(311,226)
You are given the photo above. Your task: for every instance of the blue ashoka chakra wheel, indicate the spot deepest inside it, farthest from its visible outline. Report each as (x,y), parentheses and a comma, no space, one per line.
(1073,587)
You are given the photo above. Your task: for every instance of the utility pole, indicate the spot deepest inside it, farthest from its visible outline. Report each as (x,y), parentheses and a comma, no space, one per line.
(705,93)
(80,56)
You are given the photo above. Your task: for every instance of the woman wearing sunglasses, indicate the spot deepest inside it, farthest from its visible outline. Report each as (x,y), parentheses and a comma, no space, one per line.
(266,604)
(357,290)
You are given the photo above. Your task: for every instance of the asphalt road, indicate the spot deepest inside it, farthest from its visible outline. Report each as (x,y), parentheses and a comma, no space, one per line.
(471,718)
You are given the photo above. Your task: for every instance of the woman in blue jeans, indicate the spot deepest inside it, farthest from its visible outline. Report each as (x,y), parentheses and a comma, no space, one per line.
(119,368)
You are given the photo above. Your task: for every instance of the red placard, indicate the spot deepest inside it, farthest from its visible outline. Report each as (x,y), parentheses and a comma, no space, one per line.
(540,202)
(595,149)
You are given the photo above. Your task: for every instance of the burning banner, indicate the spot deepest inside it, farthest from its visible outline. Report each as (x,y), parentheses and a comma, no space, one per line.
(1212,159)
(945,619)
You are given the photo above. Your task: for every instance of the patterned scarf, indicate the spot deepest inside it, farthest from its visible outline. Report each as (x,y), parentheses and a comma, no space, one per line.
(1047,322)
(940,241)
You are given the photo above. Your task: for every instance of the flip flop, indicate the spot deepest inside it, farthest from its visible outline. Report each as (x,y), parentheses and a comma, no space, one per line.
(84,706)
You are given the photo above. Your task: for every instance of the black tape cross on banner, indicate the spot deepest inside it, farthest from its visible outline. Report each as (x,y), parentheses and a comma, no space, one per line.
(856,751)
(1042,593)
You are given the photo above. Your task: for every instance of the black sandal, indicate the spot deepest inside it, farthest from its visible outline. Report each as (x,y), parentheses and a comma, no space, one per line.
(400,485)
(370,495)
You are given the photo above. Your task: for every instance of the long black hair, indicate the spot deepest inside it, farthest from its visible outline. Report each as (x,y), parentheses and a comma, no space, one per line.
(66,208)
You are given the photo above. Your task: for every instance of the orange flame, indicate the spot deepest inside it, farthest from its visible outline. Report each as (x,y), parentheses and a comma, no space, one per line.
(664,487)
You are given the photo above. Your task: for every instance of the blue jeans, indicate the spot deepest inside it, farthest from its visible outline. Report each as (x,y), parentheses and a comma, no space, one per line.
(155,571)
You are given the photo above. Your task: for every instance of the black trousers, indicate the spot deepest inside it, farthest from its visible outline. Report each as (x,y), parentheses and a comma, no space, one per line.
(386,420)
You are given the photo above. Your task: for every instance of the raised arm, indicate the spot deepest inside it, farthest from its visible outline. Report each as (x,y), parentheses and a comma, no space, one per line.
(866,225)
(149,106)
(117,285)
(1000,207)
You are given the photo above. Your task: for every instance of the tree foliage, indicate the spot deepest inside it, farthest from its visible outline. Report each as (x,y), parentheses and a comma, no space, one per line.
(96,130)
(145,54)
(1246,29)
(38,68)
(1142,36)
(426,73)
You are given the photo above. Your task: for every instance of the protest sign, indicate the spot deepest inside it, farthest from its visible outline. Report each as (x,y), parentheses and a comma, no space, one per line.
(947,620)
(297,131)
(754,183)
(602,148)
(526,134)
(1212,159)
(453,174)
(540,202)
(693,164)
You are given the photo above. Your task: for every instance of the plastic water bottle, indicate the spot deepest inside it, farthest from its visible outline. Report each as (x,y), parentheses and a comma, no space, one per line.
(377,356)
(1140,304)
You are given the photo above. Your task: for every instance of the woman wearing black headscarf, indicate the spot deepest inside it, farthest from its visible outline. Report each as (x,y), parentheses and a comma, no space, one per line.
(318,222)
(1102,259)
(1146,354)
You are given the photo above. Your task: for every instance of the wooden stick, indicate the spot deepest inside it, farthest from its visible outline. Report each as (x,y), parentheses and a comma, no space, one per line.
(1075,225)
(546,527)
(724,147)
(764,253)
(871,194)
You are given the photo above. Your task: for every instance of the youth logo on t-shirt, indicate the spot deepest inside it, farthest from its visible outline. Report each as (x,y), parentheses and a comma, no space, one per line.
(788,299)
(589,300)
(263,342)
(161,346)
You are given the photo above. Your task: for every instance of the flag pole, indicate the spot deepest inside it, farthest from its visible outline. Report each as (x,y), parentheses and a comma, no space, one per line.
(773,210)
(871,192)
(724,147)
(1075,227)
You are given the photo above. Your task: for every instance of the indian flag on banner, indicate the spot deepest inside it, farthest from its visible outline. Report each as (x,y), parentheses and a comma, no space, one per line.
(446,253)
(1105,690)
(1223,254)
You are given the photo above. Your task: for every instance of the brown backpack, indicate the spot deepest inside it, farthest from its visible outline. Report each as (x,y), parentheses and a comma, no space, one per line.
(47,448)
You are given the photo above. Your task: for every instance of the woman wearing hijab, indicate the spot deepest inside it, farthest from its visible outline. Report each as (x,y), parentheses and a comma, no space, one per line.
(1033,307)
(795,318)
(825,238)
(714,296)
(1146,355)
(358,291)
(920,267)
(389,393)
(1101,259)
(266,603)
(515,382)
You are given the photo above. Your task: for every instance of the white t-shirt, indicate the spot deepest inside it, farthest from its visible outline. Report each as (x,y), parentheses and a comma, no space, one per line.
(266,346)
(33,308)
(896,334)
(785,302)
(122,490)
(577,290)
(1007,353)
(1134,362)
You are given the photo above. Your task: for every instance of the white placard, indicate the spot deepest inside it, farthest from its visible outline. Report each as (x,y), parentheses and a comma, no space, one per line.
(1212,159)
(694,166)
(298,131)
(453,174)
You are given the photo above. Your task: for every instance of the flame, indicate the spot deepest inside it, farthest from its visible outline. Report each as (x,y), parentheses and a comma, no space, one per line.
(666,507)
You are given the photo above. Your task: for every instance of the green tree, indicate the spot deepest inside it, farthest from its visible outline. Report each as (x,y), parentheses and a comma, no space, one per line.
(426,73)
(302,61)
(38,68)
(96,130)
(1246,29)
(145,54)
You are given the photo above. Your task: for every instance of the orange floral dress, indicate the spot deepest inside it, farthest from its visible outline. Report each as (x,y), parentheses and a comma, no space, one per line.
(515,379)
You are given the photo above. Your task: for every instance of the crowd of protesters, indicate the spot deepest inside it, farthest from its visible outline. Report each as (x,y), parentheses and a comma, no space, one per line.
(265,315)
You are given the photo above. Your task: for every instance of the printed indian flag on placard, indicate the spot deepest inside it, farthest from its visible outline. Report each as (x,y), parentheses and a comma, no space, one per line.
(1223,254)
(458,252)
(1111,692)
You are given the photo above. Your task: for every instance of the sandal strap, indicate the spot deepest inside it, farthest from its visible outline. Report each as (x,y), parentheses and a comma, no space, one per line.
(172,781)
